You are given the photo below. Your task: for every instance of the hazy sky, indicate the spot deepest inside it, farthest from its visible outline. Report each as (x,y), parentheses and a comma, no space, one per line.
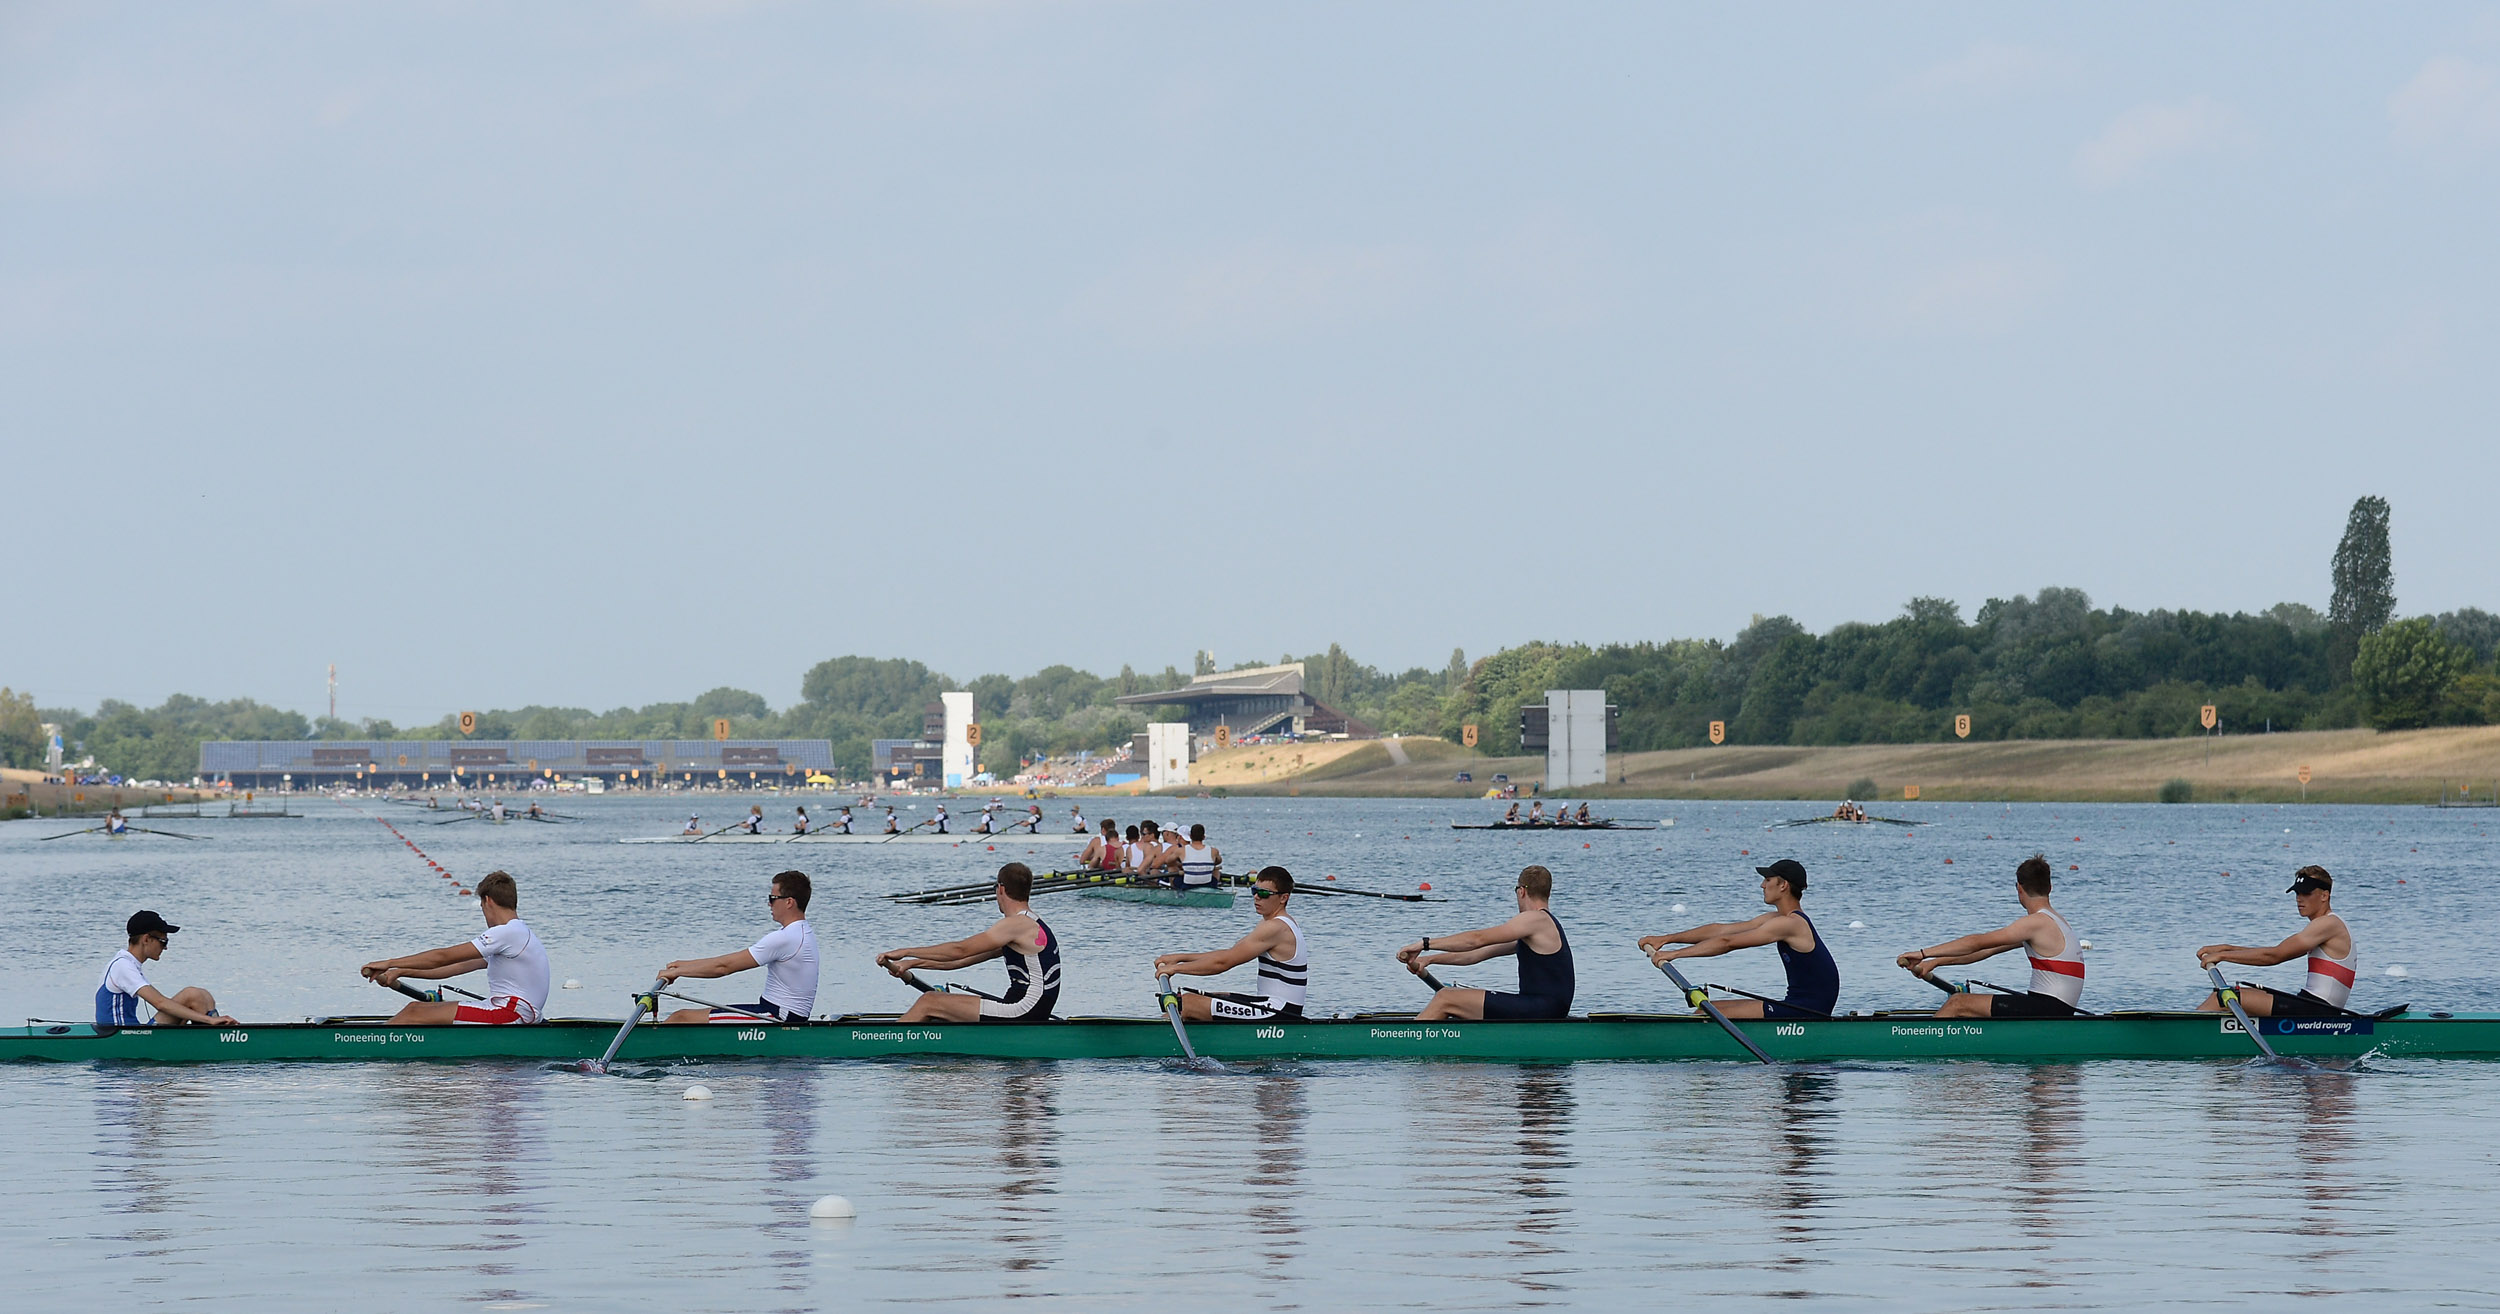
(595,354)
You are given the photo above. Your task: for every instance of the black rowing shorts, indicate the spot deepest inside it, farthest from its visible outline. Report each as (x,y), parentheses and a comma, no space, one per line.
(2303,1004)
(2029,1004)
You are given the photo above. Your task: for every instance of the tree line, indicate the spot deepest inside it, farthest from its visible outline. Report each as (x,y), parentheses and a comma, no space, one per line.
(2045,666)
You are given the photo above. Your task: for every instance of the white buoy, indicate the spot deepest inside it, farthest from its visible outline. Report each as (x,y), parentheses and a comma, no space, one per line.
(571,984)
(1666,821)
(2084,943)
(698,1093)
(1676,908)
(1857,926)
(2397,969)
(832,1206)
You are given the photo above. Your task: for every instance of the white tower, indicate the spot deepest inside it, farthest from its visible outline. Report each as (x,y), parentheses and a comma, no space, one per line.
(955,759)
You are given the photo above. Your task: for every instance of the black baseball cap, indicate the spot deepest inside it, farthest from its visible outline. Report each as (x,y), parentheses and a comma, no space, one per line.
(1789,870)
(144,922)
(2309,880)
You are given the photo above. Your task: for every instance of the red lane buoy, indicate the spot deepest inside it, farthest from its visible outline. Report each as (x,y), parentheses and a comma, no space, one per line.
(2072,867)
(1948,862)
(1425,886)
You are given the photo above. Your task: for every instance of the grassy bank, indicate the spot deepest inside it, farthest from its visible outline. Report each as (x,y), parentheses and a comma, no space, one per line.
(2346,766)
(24,794)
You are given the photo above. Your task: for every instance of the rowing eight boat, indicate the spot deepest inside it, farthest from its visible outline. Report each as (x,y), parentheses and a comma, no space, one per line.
(1169,898)
(922,837)
(1893,1037)
(1547,825)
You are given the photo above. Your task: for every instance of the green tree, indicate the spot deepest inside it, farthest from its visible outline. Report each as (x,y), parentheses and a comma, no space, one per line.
(2365,584)
(1776,692)
(2404,670)
(21,731)
(871,687)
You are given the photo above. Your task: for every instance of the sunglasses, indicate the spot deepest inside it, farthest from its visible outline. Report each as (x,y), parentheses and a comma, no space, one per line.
(1257,893)
(771,899)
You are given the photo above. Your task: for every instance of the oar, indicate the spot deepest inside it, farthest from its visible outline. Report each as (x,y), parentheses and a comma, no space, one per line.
(1172,1009)
(66,834)
(1713,985)
(457,820)
(722,831)
(648,999)
(739,1009)
(2230,997)
(2009,990)
(913,980)
(433,996)
(1701,999)
(169,834)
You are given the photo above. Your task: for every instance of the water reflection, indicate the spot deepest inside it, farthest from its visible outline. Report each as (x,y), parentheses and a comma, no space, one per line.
(145,1122)
(789,1100)
(471,1139)
(1803,1119)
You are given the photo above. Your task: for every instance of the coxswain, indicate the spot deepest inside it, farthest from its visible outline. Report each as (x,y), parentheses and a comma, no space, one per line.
(787,954)
(115,823)
(1534,936)
(2041,932)
(1202,864)
(694,826)
(1283,956)
(1102,852)
(2327,942)
(753,822)
(1813,978)
(842,822)
(893,824)
(1022,939)
(938,822)
(125,985)
(515,963)
(799,827)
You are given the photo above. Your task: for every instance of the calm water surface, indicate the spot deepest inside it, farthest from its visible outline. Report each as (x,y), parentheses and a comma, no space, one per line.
(1318,1186)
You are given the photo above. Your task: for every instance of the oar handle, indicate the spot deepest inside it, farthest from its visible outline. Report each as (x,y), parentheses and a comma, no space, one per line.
(434,996)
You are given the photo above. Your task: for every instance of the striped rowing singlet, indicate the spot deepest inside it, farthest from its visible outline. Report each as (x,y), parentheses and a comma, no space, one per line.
(1198,868)
(1029,973)
(1287,980)
(2060,975)
(2330,979)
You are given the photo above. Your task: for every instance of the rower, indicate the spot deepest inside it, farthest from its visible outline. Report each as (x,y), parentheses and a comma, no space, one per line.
(1102,852)
(2326,940)
(125,983)
(1076,817)
(1033,822)
(1546,980)
(1024,940)
(1132,854)
(694,826)
(114,823)
(1511,818)
(938,822)
(2056,955)
(799,827)
(1584,815)
(1813,978)
(753,822)
(893,825)
(787,954)
(1201,863)
(515,963)
(499,816)
(989,817)
(535,812)
(1536,812)
(1276,942)
(842,823)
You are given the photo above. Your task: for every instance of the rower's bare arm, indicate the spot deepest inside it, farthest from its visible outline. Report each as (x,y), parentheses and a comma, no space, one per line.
(1438,959)
(2306,939)
(706,968)
(432,965)
(1750,935)
(1970,948)
(1696,935)
(1506,933)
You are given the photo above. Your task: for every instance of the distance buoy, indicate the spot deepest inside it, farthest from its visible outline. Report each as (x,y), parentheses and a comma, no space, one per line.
(571,984)
(1675,907)
(1857,926)
(832,1206)
(697,1092)
(2084,944)
(2397,969)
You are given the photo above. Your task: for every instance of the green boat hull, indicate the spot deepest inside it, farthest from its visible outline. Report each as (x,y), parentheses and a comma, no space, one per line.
(1166,898)
(1891,1038)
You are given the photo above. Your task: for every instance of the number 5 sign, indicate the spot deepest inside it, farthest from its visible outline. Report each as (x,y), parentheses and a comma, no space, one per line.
(1718,732)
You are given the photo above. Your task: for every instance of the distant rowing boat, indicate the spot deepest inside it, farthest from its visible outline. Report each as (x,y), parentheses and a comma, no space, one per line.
(1547,825)
(914,837)
(1840,821)
(1896,1037)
